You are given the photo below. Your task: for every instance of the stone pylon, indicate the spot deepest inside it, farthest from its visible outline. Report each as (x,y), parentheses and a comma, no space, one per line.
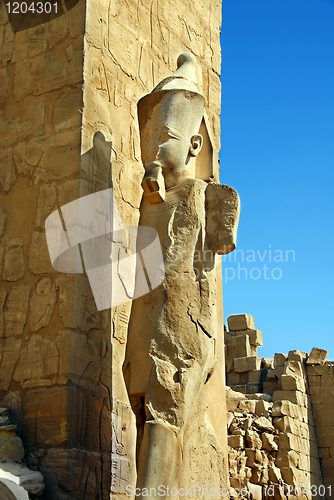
(68,128)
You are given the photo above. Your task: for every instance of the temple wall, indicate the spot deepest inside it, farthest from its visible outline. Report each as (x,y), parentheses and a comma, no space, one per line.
(279,417)
(68,128)
(321,383)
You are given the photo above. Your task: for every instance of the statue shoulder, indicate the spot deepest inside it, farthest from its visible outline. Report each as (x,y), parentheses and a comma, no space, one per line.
(222,206)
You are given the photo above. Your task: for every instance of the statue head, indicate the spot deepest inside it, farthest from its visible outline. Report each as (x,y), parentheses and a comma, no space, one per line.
(169,120)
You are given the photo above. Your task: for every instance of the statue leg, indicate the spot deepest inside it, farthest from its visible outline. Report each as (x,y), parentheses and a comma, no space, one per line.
(160,460)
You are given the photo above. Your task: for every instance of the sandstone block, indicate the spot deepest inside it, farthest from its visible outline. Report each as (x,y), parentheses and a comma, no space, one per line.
(294,368)
(292,383)
(254,376)
(274,474)
(254,456)
(232,378)
(232,399)
(268,442)
(253,440)
(229,418)
(255,337)
(11,448)
(229,365)
(294,476)
(287,458)
(240,322)
(325,453)
(271,375)
(237,346)
(280,359)
(295,397)
(318,369)
(271,387)
(246,364)
(256,491)
(297,356)
(317,356)
(247,406)
(314,380)
(263,408)
(264,423)
(267,363)
(236,442)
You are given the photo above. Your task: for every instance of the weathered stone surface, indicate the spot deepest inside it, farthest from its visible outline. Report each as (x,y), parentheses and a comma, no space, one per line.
(294,368)
(240,322)
(39,259)
(292,383)
(317,356)
(7,172)
(263,408)
(268,442)
(246,364)
(295,397)
(42,303)
(247,406)
(11,448)
(46,203)
(3,295)
(297,356)
(17,309)
(76,290)
(237,346)
(14,268)
(39,363)
(255,337)
(3,220)
(253,440)
(267,363)
(236,442)
(280,359)
(264,423)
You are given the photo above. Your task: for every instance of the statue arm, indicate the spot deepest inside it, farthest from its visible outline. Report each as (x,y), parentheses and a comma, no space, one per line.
(222,206)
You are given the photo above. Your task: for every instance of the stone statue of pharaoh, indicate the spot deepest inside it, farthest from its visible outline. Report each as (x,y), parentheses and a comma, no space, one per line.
(171,346)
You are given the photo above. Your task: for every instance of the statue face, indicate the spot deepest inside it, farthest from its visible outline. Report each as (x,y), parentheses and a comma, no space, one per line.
(164,146)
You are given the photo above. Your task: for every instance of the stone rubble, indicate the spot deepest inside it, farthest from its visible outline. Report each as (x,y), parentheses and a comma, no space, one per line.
(272,437)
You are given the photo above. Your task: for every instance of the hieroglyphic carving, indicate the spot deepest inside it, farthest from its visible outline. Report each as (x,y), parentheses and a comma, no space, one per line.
(39,363)
(120,467)
(42,304)
(14,268)
(17,309)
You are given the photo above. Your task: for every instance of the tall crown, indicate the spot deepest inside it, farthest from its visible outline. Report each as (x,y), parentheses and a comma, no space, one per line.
(180,91)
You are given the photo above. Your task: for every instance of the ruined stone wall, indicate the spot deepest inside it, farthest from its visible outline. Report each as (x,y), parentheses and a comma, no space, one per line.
(273,425)
(321,383)
(68,128)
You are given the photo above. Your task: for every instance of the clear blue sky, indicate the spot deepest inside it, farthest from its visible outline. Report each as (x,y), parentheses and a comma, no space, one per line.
(277,151)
